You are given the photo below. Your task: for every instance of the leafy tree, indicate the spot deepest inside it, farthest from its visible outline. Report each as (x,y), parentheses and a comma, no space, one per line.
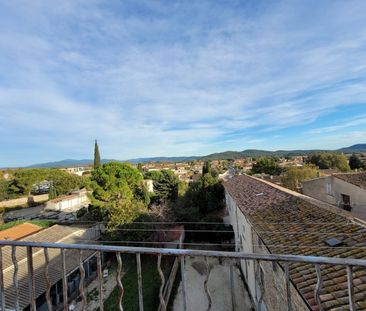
(119,196)
(97,161)
(206,195)
(25,180)
(266,165)
(329,161)
(114,181)
(355,162)
(214,172)
(294,176)
(165,185)
(182,188)
(4,190)
(64,183)
(122,212)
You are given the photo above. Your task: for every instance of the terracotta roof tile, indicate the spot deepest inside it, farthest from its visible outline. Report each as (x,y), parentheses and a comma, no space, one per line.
(19,231)
(357,179)
(288,224)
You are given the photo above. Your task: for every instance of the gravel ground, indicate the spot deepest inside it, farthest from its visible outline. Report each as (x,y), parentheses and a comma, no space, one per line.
(219,286)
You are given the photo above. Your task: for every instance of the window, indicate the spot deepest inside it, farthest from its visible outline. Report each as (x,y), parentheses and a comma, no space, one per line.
(329,188)
(346,202)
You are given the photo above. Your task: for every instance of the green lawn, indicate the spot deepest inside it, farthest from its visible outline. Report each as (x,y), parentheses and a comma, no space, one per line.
(150,284)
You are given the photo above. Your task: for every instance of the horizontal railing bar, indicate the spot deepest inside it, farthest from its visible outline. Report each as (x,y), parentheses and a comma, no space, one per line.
(191,252)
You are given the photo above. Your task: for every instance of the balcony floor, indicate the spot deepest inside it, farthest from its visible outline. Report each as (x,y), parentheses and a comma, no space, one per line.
(219,286)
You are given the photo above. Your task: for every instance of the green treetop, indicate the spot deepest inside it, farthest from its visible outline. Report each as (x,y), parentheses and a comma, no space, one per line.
(355,162)
(329,161)
(97,161)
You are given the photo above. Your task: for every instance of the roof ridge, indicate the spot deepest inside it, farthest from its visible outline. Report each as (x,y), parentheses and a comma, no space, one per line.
(314,201)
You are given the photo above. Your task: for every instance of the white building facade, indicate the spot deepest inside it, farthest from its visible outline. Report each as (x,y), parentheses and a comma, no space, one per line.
(70,202)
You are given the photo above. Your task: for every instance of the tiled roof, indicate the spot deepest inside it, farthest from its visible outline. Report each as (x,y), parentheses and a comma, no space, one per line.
(19,231)
(288,224)
(54,234)
(357,179)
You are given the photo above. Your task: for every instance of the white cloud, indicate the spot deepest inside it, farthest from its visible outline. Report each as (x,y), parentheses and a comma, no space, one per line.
(174,79)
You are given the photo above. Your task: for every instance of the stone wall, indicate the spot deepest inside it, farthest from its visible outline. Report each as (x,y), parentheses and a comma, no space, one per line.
(24,200)
(274,283)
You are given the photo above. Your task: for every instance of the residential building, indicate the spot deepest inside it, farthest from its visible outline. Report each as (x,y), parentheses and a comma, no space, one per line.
(149,184)
(297,253)
(269,219)
(72,202)
(78,170)
(344,190)
(54,234)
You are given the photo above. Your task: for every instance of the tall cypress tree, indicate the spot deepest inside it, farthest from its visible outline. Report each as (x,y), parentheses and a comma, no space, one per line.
(206,167)
(97,161)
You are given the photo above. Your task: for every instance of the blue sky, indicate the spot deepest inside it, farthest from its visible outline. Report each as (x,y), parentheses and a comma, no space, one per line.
(172,78)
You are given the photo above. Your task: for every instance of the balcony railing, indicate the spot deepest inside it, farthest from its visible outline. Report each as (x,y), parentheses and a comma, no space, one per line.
(85,251)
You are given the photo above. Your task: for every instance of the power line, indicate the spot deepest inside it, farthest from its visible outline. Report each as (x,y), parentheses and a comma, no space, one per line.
(232,231)
(349,222)
(228,244)
(167,230)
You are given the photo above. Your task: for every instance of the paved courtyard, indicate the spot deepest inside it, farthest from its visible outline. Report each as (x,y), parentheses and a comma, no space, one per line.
(219,286)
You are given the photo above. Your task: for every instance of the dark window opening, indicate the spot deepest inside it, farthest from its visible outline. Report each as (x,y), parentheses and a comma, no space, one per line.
(346,202)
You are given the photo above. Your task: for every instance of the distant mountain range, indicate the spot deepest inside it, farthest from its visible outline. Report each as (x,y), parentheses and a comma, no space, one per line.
(214,156)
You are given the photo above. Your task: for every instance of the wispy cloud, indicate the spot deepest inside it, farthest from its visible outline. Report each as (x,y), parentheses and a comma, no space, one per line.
(167,78)
(341,125)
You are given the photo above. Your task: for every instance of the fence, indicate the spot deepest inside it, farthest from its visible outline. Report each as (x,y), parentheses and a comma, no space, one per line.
(39,272)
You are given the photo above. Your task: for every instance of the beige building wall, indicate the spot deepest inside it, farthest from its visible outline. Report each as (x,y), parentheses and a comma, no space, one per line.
(274,281)
(24,200)
(319,188)
(68,203)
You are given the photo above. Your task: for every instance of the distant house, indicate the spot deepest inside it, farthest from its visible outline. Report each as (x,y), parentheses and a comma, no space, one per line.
(269,219)
(72,202)
(345,190)
(149,184)
(78,170)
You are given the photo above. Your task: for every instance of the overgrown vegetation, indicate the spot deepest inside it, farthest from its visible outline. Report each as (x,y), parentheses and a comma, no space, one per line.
(150,284)
(120,199)
(119,196)
(295,176)
(329,161)
(165,186)
(267,165)
(24,180)
(355,162)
